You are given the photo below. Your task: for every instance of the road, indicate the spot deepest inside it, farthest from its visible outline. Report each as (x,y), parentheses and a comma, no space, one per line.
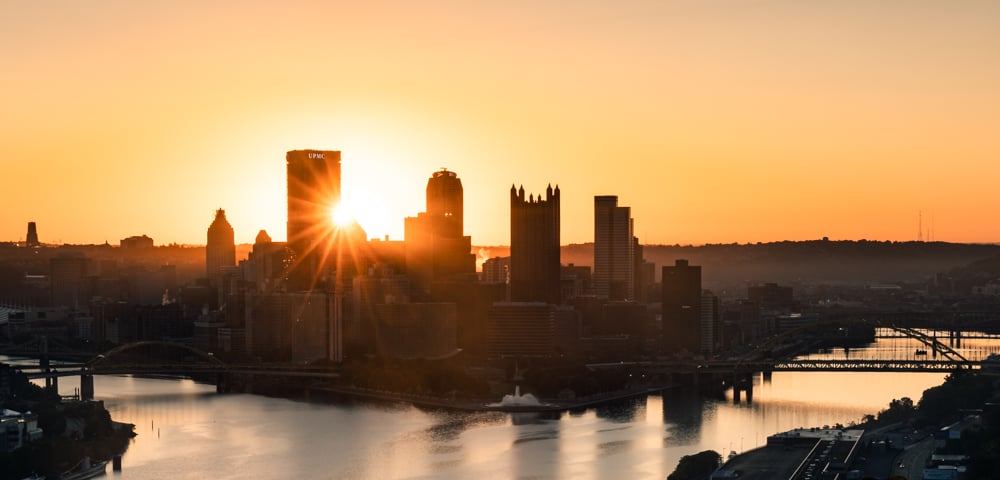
(910,462)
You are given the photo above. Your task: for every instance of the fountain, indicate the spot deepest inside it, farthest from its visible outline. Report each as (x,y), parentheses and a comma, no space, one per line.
(518,400)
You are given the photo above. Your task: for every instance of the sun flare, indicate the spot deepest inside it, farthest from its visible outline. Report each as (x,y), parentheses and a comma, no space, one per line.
(342,215)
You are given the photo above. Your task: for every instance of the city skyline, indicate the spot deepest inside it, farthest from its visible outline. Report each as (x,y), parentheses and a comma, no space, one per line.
(716,122)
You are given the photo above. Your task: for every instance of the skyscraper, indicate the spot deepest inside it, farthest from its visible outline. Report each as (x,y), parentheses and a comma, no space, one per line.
(67,272)
(436,249)
(682,307)
(220,250)
(710,316)
(534,246)
(313,192)
(445,199)
(614,250)
(32,239)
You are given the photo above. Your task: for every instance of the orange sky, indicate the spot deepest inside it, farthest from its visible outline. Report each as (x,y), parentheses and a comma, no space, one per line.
(716,121)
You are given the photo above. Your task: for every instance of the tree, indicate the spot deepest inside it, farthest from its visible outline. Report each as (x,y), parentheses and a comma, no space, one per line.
(696,467)
(900,410)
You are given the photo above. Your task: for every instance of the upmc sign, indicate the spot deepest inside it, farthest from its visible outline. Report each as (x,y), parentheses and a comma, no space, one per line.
(317,155)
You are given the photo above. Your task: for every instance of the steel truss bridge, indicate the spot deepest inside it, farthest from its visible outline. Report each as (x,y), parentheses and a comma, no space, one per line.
(175,370)
(793,365)
(130,359)
(950,359)
(869,365)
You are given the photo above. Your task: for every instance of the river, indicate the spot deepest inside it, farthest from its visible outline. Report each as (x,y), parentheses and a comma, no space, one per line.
(186,430)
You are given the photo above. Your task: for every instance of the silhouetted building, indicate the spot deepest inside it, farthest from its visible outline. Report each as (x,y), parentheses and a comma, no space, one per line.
(53,322)
(232,342)
(313,192)
(32,239)
(521,329)
(534,246)
(415,330)
(290,326)
(195,299)
(66,279)
(645,276)
(751,324)
(380,285)
(576,281)
(220,250)
(682,307)
(771,296)
(496,271)
(614,250)
(711,325)
(265,265)
(136,242)
(312,326)
(472,302)
(206,331)
(622,318)
(436,249)
(150,322)
(445,199)
(143,285)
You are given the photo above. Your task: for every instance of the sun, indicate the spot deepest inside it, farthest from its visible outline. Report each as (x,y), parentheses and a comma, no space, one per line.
(366,209)
(342,215)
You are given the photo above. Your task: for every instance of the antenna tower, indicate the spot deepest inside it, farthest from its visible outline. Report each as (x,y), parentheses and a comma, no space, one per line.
(920,226)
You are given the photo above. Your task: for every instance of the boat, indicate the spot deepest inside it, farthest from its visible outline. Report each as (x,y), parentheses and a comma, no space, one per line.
(86,471)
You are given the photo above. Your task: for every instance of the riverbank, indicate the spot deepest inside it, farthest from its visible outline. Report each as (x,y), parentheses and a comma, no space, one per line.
(53,436)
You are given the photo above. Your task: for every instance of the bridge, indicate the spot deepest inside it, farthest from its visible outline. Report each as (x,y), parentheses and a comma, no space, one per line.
(177,359)
(720,367)
(157,358)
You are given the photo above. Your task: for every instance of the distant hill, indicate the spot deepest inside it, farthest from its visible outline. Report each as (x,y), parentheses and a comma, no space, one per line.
(815,261)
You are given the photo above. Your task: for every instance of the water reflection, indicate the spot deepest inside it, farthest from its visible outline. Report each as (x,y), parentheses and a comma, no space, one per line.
(683,413)
(622,411)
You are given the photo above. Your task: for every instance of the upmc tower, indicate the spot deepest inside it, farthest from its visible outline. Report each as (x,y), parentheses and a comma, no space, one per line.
(313,192)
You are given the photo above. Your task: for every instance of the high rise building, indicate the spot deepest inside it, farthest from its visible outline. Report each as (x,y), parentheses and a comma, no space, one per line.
(445,199)
(614,250)
(313,192)
(711,327)
(220,250)
(534,246)
(771,296)
(32,239)
(67,272)
(436,250)
(645,276)
(496,271)
(265,265)
(521,329)
(682,307)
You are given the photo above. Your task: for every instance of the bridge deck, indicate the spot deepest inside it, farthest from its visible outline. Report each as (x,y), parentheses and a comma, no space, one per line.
(796,366)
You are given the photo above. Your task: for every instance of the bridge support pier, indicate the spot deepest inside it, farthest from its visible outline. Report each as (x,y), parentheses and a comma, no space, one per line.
(222,383)
(742,383)
(86,387)
(43,364)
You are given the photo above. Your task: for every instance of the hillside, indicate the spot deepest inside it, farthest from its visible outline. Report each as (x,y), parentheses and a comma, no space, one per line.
(817,261)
